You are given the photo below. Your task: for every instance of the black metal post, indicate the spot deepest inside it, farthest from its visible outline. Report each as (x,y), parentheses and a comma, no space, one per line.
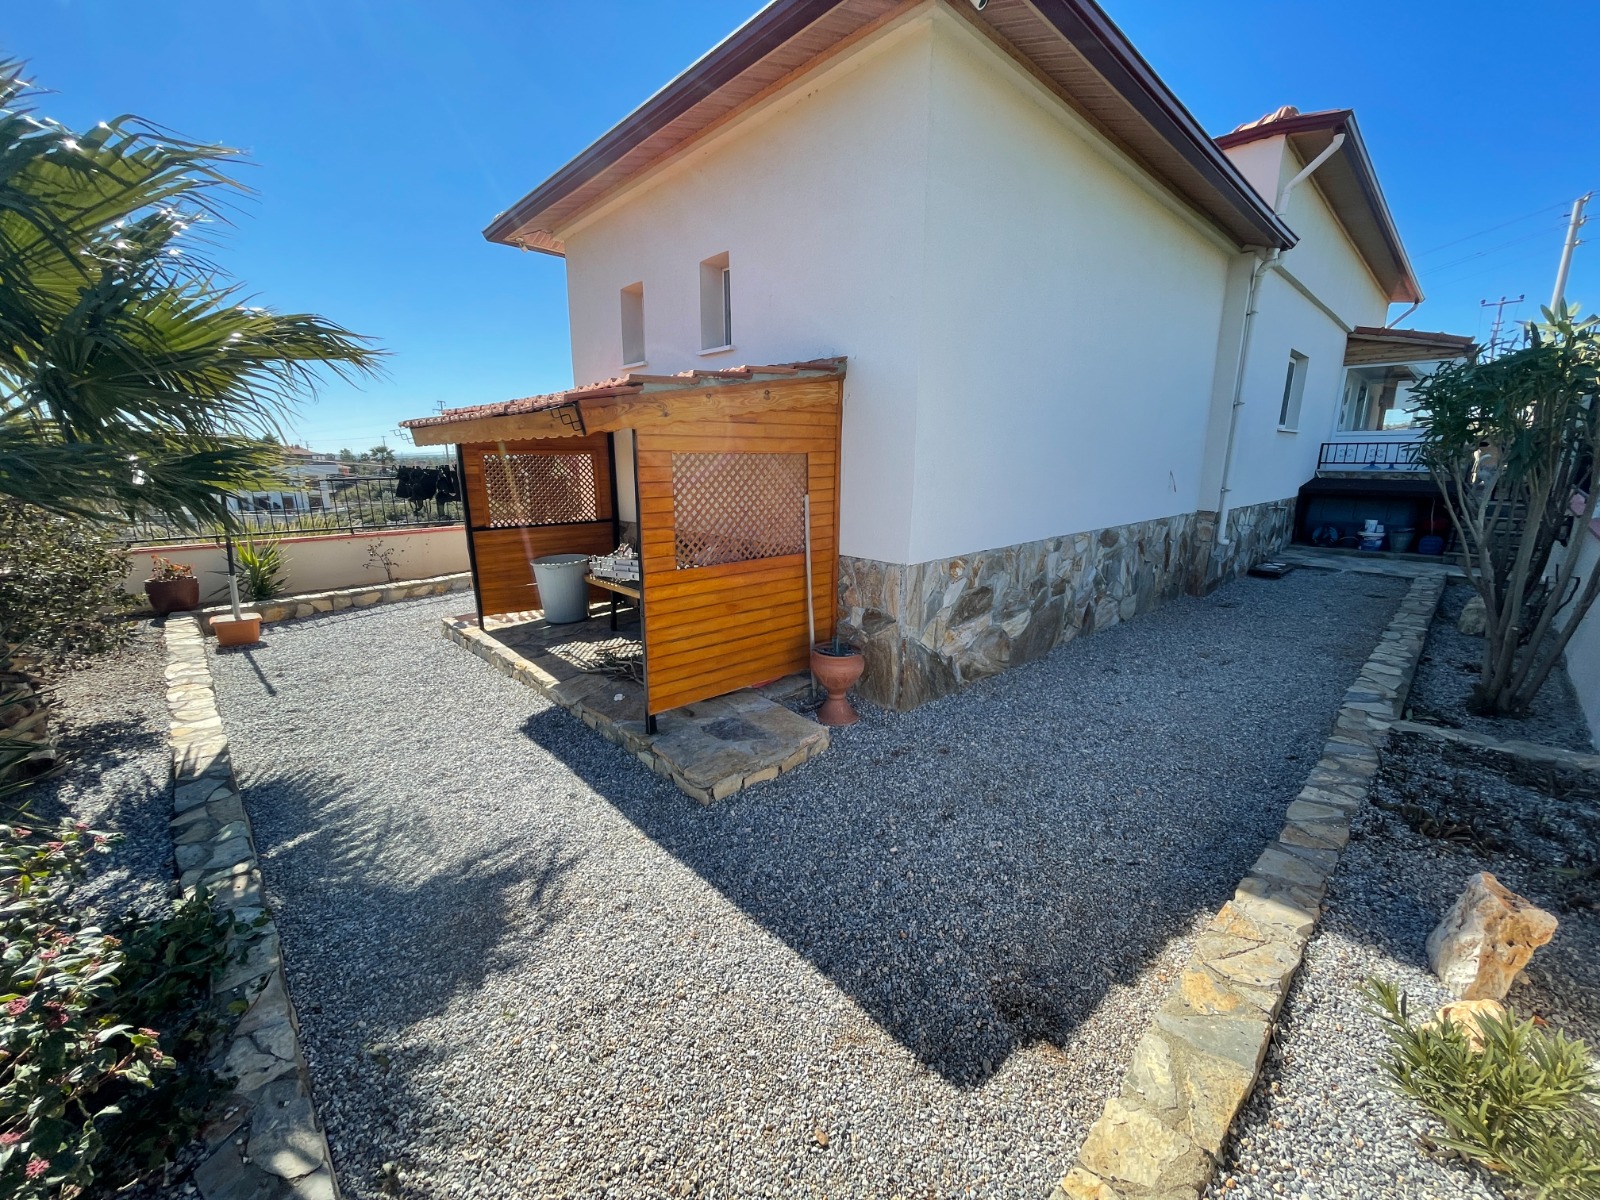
(466,522)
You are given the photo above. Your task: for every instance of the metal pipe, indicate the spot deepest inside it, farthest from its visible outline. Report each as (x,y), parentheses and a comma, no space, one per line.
(811,608)
(1224,505)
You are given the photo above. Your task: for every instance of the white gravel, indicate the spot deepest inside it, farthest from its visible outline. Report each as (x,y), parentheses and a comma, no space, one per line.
(1323,1123)
(110,719)
(527,967)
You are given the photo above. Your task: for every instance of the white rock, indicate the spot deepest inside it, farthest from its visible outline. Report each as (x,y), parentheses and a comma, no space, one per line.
(1473,618)
(1486,939)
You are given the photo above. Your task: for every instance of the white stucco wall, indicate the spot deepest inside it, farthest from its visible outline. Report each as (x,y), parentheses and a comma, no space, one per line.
(1583,651)
(1269,464)
(818,201)
(1071,321)
(1038,334)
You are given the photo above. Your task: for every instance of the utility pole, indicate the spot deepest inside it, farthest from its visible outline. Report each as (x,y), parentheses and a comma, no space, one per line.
(1499,307)
(1557,296)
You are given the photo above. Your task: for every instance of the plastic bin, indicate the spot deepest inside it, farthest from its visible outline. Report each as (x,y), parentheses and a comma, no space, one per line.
(562,591)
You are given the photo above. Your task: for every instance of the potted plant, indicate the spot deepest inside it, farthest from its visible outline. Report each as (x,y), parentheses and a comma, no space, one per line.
(171,587)
(836,665)
(241,628)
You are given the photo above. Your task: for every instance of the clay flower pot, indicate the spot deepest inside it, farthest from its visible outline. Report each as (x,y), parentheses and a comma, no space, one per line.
(173,595)
(836,667)
(246,631)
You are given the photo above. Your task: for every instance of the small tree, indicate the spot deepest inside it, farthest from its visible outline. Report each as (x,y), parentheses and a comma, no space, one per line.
(381,455)
(1533,415)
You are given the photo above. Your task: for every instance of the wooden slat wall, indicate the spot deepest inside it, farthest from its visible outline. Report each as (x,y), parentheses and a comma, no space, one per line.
(710,630)
(504,578)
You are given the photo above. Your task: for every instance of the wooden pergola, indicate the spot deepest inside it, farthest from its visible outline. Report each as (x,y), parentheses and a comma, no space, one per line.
(708,473)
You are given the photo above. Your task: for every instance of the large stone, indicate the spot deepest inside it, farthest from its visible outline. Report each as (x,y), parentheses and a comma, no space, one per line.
(1486,939)
(1468,1015)
(1474,618)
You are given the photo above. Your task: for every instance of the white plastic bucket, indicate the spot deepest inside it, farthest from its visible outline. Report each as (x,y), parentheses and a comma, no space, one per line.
(562,591)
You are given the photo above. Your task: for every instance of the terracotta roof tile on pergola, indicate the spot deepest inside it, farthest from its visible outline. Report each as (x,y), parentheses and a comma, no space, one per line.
(595,407)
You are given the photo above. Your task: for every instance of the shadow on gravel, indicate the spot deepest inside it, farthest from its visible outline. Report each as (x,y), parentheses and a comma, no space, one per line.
(428,925)
(984,873)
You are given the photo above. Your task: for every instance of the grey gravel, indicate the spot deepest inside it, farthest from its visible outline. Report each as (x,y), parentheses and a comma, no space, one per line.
(1322,1122)
(527,967)
(110,720)
(1449,668)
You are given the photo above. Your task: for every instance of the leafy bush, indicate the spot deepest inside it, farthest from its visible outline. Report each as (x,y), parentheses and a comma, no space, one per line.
(103,1035)
(1524,1105)
(60,584)
(263,567)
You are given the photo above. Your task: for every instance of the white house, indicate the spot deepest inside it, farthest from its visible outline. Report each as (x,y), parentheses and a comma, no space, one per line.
(1093,353)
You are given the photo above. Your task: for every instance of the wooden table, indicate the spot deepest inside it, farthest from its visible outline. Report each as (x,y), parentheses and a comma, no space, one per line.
(631,588)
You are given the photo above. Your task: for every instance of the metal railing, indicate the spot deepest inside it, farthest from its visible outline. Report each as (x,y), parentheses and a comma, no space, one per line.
(339,504)
(1369,456)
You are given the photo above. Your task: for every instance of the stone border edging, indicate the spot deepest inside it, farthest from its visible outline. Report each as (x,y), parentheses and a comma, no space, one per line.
(264,1140)
(1196,1065)
(1532,752)
(508,662)
(310,604)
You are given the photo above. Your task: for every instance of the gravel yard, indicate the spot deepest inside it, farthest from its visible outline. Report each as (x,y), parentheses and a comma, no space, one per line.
(1449,667)
(1322,1122)
(110,720)
(525,966)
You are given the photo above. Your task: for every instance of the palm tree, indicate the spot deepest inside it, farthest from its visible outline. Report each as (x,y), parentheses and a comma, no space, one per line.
(133,377)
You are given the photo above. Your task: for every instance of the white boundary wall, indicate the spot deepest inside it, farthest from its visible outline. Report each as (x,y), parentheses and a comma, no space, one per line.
(321,562)
(1583,651)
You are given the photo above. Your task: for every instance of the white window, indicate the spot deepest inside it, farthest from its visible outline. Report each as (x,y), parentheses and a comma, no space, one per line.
(1379,399)
(1294,390)
(716,305)
(633,325)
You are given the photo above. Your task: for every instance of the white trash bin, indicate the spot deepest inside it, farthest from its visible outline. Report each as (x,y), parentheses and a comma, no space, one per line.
(562,591)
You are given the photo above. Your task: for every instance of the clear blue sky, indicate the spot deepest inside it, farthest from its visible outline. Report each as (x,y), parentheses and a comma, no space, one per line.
(386,133)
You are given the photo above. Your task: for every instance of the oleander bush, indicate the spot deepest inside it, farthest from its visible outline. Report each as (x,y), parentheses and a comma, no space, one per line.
(1525,1104)
(104,1033)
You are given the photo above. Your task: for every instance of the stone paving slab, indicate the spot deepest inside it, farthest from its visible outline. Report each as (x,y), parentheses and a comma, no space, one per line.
(1534,752)
(1191,1072)
(1411,566)
(263,1140)
(710,749)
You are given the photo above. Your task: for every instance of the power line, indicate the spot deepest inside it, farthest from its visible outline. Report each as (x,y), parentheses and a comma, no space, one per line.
(1491,229)
(1496,248)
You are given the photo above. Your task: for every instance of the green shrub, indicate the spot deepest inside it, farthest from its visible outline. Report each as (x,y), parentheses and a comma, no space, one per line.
(1524,1104)
(61,592)
(263,567)
(103,1034)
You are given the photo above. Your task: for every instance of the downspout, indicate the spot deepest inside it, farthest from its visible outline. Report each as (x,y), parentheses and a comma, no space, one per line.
(1263,265)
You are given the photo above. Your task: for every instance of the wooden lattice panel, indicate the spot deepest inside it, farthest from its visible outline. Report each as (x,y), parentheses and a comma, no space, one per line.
(737,507)
(540,489)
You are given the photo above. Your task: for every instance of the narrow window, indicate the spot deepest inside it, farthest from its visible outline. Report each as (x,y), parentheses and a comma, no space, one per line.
(716,305)
(633,325)
(1294,389)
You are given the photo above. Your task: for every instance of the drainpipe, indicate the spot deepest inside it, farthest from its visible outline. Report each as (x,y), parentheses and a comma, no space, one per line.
(1263,265)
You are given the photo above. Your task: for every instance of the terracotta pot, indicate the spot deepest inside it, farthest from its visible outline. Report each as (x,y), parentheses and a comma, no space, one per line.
(836,673)
(173,595)
(246,631)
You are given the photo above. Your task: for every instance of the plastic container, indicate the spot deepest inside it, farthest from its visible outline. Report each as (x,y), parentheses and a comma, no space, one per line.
(562,591)
(1400,539)
(1432,544)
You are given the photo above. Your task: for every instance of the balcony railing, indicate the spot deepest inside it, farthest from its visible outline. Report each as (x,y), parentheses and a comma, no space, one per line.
(1369,456)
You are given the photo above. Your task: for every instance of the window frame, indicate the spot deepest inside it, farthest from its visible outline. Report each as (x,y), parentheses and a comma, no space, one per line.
(631,300)
(1294,392)
(716,305)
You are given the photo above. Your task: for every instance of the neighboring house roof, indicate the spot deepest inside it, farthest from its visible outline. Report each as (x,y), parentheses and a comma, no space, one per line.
(622,386)
(1350,185)
(1070,46)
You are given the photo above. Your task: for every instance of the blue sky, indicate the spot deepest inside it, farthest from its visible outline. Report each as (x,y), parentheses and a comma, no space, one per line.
(384,134)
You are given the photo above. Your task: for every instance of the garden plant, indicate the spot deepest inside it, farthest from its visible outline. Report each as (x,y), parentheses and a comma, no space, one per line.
(1512,443)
